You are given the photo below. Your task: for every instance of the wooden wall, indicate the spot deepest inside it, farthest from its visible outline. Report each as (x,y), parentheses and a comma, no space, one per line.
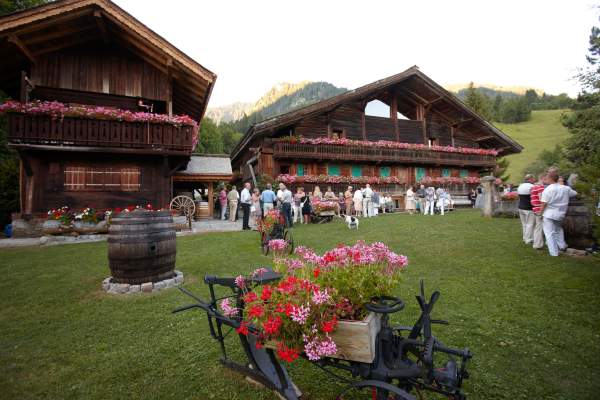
(49,177)
(101,69)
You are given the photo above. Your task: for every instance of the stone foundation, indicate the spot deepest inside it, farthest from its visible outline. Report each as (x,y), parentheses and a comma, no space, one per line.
(149,287)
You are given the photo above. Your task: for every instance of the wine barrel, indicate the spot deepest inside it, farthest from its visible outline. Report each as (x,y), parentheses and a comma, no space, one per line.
(142,247)
(202,211)
(579,231)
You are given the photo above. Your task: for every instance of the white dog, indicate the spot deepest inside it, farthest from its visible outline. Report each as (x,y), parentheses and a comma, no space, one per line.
(351,221)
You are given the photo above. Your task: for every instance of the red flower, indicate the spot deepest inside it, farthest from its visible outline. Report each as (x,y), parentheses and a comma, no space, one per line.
(243,329)
(250,297)
(266,293)
(118,210)
(258,345)
(329,326)
(256,311)
(289,308)
(316,272)
(285,353)
(271,327)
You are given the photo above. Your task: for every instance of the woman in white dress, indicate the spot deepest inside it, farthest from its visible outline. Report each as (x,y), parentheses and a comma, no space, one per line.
(358,200)
(410,202)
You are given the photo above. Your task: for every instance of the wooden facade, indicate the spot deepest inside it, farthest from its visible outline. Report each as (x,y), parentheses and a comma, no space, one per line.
(420,112)
(93,53)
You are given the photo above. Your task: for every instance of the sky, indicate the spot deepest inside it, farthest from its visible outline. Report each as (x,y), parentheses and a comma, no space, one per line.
(253,45)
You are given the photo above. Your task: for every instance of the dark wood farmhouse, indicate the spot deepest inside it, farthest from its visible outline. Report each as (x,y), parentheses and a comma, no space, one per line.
(428,136)
(100,119)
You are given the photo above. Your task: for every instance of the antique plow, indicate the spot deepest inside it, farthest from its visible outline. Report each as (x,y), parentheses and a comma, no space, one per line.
(404,366)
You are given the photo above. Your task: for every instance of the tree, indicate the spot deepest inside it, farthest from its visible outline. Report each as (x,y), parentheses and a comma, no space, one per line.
(516,110)
(500,169)
(230,137)
(497,107)
(531,96)
(9,6)
(478,101)
(210,141)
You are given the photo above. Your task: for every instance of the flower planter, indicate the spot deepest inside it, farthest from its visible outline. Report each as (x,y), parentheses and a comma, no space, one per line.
(355,340)
(88,228)
(55,227)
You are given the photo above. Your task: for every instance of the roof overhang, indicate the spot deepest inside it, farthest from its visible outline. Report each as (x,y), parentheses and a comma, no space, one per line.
(57,25)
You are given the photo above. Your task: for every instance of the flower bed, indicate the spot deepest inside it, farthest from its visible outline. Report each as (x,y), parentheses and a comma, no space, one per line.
(301,312)
(265,224)
(57,110)
(510,196)
(389,145)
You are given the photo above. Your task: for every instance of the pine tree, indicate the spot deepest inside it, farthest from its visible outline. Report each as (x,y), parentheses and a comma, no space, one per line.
(478,101)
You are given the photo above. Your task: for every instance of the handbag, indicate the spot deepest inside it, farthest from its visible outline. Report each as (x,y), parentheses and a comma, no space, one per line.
(252,209)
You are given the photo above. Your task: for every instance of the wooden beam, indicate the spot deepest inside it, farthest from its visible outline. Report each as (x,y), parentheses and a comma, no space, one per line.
(58,34)
(432,102)
(77,40)
(462,121)
(394,116)
(170,87)
(452,133)
(484,138)
(101,26)
(14,39)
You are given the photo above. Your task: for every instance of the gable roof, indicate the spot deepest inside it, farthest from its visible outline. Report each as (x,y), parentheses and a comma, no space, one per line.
(416,88)
(63,23)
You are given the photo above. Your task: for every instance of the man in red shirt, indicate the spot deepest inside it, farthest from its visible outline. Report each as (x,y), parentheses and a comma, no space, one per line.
(536,203)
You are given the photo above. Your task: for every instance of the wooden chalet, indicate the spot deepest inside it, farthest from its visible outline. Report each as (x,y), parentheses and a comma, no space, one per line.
(90,53)
(429,134)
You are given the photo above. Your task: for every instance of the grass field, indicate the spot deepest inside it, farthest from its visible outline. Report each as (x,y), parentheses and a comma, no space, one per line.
(532,321)
(543,132)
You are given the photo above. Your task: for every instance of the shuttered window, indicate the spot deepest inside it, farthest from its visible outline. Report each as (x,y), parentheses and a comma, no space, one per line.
(333,170)
(446,172)
(300,170)
(385,172)
(356,170)
(419,173)
(464,173)
(102,179)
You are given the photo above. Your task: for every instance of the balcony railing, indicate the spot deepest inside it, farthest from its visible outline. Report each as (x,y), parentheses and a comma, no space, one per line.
(379,154)
(79,132)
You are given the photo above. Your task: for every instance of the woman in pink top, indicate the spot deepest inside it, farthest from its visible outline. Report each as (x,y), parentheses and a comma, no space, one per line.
(223,202)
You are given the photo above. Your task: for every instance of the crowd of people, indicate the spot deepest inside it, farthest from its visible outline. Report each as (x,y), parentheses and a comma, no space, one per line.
(298,207)
(428,200)
(543,204)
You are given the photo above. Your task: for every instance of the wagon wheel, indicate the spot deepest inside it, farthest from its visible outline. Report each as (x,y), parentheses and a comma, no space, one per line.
(184,205)
(289,239)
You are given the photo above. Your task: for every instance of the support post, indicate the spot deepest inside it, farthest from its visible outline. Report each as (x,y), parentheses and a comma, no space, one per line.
(452,132)
(363,123)
(394,116)
(489,189)
(211,201)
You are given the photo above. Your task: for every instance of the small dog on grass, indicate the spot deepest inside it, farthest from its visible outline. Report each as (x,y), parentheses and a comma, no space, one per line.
(351,221)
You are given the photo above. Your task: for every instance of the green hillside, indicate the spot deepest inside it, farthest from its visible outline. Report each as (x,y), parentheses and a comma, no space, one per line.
(543,131)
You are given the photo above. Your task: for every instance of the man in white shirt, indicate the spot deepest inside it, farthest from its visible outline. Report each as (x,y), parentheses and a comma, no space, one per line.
(286,198)
(440,193)
(555,201)
(246,200)
(367,203)
(526,209)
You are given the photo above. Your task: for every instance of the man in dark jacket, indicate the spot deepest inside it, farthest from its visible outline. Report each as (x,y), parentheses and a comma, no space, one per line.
(526,209)
(421,198)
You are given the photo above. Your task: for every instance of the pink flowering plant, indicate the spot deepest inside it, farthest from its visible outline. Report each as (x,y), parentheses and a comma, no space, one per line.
(389,145)
(320,205)
(299,313)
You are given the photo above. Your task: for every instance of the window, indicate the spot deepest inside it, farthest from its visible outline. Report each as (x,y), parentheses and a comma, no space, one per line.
(356,171)
(338,133)
(419,173)
(333,170)
(464,173)
(445,172)
(385,172)
(284,169)
(102,179)
(300,170)
(432,142)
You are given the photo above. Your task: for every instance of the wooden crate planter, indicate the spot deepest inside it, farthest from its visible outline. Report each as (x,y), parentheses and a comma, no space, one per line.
(355,340)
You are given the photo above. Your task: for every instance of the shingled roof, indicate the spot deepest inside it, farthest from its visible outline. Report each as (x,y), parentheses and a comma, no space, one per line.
(415,87)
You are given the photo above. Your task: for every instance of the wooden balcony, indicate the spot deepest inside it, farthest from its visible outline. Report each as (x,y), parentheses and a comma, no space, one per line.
(114,136)
(377,154)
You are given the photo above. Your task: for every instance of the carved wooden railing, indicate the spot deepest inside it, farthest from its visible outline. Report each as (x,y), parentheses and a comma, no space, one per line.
(364,153)
(43,130)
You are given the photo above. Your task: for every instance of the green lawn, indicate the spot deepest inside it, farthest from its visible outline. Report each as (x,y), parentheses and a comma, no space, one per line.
(532,321)
(543,132)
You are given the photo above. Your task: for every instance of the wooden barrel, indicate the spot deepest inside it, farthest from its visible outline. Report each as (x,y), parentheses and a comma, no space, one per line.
(202,211)
(142,247)
(579,232)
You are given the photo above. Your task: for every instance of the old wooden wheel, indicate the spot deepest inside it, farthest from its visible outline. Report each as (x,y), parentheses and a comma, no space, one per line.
(185,206)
